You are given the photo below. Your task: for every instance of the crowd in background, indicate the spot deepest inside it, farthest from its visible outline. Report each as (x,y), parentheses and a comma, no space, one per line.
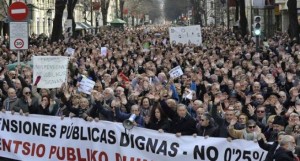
(237,92)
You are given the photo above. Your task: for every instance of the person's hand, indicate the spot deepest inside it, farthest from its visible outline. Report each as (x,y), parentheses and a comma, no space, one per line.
(297,109)
(62,117)
(194,135)
(160,130)
(21,112)
(90,119)
(12,112)
(290,110)
(251,109)
(71,115)
(97,119)
(290,77)
(206,137)
(229,139)
(233,121)
(178,134)
(29,100)
(26,113)
(3,110)
(248,99)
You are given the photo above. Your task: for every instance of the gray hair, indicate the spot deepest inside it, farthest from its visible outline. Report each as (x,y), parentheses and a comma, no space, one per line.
(286,139)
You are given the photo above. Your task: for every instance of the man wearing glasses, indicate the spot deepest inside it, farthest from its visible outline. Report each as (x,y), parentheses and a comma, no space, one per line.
(286,150)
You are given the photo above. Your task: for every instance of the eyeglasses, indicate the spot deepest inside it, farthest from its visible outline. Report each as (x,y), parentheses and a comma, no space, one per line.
(27,92)
(251,127)
(202,120)
(258,111)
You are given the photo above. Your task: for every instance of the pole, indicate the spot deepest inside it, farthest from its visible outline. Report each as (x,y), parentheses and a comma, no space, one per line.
(228,15)
(91,12)
(257,43)
(18,57)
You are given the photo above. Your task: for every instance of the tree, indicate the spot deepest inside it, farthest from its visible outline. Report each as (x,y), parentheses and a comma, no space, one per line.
(57,22)
(70,7)
(197,11)
(243,18)
(293,29)
(104,10)
(122,2)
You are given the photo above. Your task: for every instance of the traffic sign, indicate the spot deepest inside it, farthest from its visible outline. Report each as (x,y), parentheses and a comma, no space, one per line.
(18,11)
(18,35)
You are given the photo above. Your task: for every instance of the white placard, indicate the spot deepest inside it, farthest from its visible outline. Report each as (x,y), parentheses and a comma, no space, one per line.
(176,72)
(103,51)
(52,69)
(70,51)
(86,85)
(18,35)
(186,35)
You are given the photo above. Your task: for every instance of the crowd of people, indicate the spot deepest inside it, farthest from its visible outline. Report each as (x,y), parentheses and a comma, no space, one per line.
(237,92)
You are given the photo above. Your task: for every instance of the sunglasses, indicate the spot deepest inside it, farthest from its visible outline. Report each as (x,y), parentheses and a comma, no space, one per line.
(260,111)
(27,92)
(202,120)
(251,127)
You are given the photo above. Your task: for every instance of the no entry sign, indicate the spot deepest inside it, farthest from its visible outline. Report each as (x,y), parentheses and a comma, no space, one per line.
(18,33)
(18,11)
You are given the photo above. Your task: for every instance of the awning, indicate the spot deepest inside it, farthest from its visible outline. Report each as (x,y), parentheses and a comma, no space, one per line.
(86,25)
(79,26)
(83,25)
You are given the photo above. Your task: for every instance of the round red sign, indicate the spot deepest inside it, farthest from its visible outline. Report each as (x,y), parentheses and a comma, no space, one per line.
(18,11)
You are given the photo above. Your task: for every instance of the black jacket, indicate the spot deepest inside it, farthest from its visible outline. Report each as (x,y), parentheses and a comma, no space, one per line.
(283,155)
(210,130)
(270,148)
(156,125)
(185,126)
(222,123)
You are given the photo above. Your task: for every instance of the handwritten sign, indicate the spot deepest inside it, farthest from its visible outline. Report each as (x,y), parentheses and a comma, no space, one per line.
(176,72)
(51,69)
(86,85)
(186,35)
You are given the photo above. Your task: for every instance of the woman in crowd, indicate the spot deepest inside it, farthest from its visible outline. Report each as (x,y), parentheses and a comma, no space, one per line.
(158,120)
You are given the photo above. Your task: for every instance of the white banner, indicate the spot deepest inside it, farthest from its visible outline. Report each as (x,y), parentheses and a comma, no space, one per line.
(40,138)
(186,35)
(52,69)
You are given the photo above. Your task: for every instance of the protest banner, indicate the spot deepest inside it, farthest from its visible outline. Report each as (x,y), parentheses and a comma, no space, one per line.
(86,85)
(51,69)
(176,72)
(40,138)
(186,35)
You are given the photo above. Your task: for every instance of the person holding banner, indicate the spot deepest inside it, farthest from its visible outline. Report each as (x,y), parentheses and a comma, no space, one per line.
(27,104)
(286,150)
(10,101)
(182,123)
(158,119)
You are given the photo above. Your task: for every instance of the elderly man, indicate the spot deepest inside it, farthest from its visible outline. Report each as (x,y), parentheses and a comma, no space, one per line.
(193,107)
(286,150)
(10,101)
(182,123)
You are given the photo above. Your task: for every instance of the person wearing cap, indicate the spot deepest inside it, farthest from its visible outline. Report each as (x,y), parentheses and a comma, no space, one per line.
(278,126)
